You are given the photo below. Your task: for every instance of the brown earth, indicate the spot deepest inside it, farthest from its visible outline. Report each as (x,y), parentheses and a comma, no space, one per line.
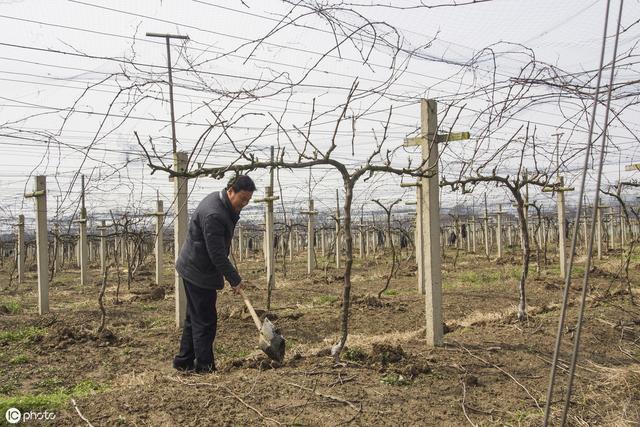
(492,370)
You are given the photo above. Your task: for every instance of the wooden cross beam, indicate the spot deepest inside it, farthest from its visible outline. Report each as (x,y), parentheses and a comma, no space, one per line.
(632,167)
(441,137)
(557,187)
(266,199)
(38,193)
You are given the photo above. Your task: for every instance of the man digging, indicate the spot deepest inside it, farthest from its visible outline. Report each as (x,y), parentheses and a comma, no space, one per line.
(204,264)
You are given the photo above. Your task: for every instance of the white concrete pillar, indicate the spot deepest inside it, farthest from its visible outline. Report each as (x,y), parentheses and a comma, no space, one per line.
(159,244)
(103,248)
(42,242)
(180,226)
(20,250)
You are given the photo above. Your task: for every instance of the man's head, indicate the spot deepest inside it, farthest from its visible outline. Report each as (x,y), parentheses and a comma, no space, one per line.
(239,190)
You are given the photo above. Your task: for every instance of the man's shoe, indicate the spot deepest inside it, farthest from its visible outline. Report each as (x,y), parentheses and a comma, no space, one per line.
(183,367)
(205,369)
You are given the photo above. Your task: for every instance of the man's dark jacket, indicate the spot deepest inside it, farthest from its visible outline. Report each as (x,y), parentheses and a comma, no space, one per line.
(204,257)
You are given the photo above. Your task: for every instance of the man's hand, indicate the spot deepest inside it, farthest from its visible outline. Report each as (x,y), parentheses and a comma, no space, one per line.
(237,289)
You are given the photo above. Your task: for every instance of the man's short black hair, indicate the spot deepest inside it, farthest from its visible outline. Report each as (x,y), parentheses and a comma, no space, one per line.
(241,183)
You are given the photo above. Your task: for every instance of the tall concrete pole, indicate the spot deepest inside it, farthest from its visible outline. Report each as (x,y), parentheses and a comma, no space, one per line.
(499,231)
(268,241)
(180,226)
(419,236)
(599,229)
(486,227)
(311,231)
(103,247)
(159,244)
(338,233)
(42,242)
(431,256)
(560,189)
(83,250)
(20,251)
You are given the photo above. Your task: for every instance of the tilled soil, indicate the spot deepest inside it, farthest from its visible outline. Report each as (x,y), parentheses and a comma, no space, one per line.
(492,370)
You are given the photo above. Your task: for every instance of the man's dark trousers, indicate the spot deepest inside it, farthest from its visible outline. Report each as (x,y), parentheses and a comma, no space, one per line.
(199,330)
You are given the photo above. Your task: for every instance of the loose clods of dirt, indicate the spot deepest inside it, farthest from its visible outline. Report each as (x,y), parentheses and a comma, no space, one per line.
(259,363)
(64,336)
(471,381)
(386,354)
(156,293)
(369,301)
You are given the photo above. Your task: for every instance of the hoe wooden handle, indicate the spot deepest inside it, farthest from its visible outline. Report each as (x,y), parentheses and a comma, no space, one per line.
(256,320)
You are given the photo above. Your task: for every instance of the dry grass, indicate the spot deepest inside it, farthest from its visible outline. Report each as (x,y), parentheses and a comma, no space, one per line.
(366,341)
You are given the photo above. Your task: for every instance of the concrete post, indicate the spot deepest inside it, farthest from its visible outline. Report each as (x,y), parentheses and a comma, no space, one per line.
(560,189)
(181,223)
(623,229)
(499,231)
(338,233)
(290,239)
(432,273)
(611,243)
(42,242)
(361,240)
(485,222)
(20,250)
(599,229)
(57,249)
(468,238)
(159,244)
(311,230)
(367,249)
(240,243)
(419,236)
(268,241)
(103,248)
(431,256)
(83,250)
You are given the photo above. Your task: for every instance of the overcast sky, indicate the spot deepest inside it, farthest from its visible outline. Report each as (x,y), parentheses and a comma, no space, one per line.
(52,51)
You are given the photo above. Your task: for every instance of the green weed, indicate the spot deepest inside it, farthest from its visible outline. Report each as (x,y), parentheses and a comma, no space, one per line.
(355,354)
(325,300)
(394,379)
(49,401)
(19,360)
(50,384)
(20,335)
(12,307)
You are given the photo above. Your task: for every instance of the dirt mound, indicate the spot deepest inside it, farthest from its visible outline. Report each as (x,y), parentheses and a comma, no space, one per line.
(156,293)
(261,363)
(369,301)
(63,336)
(400,368)
(386,354)
(598,272)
